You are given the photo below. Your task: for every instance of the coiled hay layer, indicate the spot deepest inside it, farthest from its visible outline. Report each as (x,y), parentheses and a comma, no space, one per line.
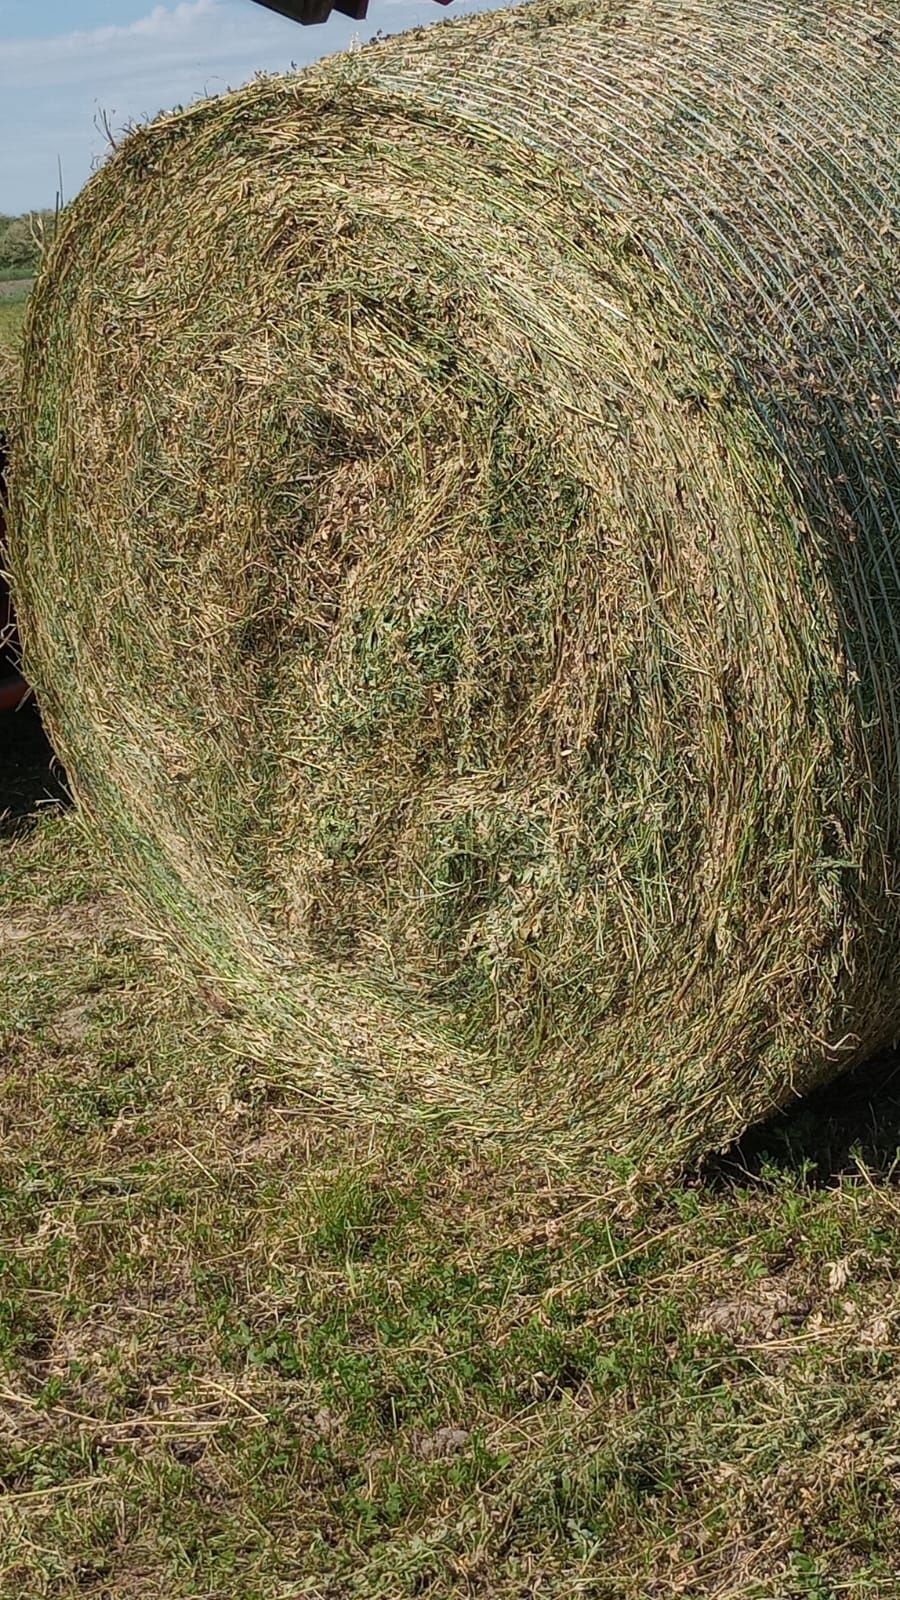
(456,534)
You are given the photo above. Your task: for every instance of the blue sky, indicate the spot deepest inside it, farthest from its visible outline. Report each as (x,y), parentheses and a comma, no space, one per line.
(65,65)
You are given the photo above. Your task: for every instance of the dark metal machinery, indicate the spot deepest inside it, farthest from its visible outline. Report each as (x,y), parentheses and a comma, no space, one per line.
(311,12)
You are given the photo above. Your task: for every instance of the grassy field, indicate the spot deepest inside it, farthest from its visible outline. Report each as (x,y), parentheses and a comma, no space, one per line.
(250,1351)
(12,313)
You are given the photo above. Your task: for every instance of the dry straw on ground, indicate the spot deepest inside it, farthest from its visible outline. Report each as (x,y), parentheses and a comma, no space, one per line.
(456,532)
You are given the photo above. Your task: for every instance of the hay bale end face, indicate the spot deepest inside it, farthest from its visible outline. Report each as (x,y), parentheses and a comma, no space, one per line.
(455,529)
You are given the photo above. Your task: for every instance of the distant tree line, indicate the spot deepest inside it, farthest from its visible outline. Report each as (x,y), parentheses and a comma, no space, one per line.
(23,238)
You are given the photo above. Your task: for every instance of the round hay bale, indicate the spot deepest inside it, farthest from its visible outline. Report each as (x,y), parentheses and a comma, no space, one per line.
(455,528)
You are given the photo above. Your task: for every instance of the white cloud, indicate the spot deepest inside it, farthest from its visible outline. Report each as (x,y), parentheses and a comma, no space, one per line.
(55,93)
(195,29)
(161,23)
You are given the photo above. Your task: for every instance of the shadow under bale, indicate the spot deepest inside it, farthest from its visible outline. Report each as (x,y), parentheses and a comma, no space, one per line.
(825,1137)
(30,777)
